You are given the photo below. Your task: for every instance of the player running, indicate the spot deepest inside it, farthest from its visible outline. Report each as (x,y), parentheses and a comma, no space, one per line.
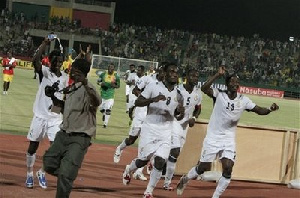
(220,138)
(139,117)
(192,104)
(109,81)
(155,138)
(46,119)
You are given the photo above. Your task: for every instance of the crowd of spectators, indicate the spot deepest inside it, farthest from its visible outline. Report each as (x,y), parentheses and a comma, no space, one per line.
(256,59)
(14,34)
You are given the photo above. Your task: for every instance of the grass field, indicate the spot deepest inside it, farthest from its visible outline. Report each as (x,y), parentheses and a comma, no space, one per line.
(16,110)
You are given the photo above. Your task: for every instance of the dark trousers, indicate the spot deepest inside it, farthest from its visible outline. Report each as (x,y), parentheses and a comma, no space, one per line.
(64,158)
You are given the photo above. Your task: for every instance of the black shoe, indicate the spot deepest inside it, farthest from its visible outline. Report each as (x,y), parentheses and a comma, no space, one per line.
(104,126)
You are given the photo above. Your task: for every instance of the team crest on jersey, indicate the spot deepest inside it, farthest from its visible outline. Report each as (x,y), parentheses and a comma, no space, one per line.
(175,99)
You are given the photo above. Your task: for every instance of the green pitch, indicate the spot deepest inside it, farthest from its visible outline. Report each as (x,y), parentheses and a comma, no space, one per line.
(16,110)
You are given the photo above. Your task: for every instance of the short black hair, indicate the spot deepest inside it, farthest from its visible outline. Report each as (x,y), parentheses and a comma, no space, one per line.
(191,69)
(228,78)
(168,65)
(53,54)
(142,67)
(82,64)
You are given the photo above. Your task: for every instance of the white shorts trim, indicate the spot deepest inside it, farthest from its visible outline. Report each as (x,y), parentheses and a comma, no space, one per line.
(40,128)
(107,104)
(155,139)
(135,131)
(178,135)
(127,89)
(212,149)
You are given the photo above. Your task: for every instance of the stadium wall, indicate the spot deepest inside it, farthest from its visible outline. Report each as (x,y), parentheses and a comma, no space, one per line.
(100,20)
(38,12)
(263,155)
(61,12)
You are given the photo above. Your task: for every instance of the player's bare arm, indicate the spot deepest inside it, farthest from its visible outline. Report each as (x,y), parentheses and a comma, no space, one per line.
(179,112)
(49,91)
(136,91)
(196,114)
(265,111)
(36,60)
(206,88)
(141,101)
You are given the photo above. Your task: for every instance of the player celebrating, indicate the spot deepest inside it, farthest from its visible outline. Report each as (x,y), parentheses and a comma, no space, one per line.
(134,132)
(140,115)
(109,81)
(8,63)
(155,137)
(220,138)
(46,120)
(192,105)
(129,75)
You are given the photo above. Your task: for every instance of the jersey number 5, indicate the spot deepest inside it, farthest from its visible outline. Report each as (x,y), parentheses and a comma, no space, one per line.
(188,101)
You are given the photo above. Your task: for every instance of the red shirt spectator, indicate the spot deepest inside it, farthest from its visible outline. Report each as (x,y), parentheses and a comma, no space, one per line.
(9,64)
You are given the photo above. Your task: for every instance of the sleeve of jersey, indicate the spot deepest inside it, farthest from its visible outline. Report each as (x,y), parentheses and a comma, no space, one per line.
(215,92)
(45,71)
(249,105)
(5,62)
(147,91)
(141,83)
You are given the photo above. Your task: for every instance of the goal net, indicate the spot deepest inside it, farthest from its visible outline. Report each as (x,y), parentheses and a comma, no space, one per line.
(100,62)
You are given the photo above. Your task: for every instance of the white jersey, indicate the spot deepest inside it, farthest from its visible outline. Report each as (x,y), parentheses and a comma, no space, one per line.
(146,80)
(42,105)
(161,112)
(226,114)
(190,100)
(139,112)
(128,75)
(156,131)
(131,77)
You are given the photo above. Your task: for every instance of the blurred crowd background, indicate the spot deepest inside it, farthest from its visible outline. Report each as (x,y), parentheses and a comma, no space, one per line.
(258,60)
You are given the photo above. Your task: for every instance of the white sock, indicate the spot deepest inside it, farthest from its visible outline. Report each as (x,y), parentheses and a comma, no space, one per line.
(192,174)
(139,170)
(30,159)
(30,173)
(170,171)
(154,178)
(221,187)
(106,118)
(122,145)
(132,166)
(41,170)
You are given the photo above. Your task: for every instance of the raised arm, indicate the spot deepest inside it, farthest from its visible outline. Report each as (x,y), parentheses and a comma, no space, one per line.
(36,60)
(206,88)
(265,111)
(85,54)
